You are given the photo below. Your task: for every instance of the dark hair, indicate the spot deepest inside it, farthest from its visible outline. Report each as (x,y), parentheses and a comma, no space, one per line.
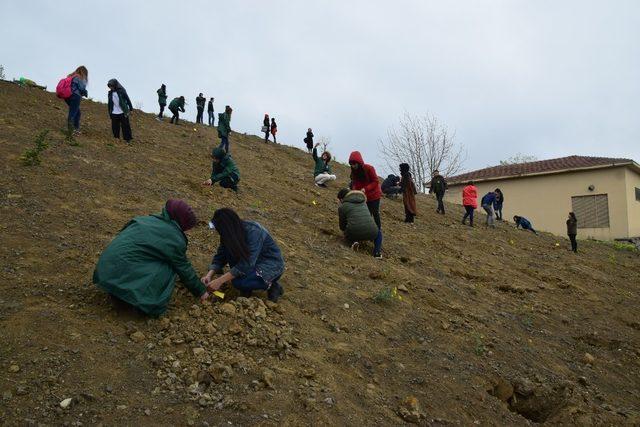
(328,156)
(342,193)
(232,233)
(497,190)
(516,218)
(573,216)
(470,183)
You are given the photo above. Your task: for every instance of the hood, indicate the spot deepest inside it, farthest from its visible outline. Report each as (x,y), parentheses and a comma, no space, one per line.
(354,197)
(356,157)
(114,84)
(219,153)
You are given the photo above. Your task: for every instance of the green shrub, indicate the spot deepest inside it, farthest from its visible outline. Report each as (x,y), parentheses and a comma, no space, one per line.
(625,246)
(31,156)
(386,295)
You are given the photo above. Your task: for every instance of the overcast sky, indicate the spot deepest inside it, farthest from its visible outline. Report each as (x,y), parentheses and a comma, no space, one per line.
(547,78)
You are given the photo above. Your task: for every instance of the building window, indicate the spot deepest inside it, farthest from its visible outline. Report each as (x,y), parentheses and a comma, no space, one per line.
(638,194)
(592,211)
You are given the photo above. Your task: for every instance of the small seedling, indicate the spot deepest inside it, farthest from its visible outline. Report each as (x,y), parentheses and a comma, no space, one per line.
(386,295)
(480,349)
(31,156)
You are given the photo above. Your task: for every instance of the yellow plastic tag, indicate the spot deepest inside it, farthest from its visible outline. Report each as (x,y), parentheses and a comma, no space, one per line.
(219,294)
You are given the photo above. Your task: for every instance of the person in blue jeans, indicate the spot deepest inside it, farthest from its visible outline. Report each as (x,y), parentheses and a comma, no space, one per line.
(487,202)
(253,256)
(524,223)
(78,90)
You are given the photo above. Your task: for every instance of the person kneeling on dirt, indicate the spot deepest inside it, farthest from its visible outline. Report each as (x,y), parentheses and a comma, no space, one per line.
(139,266)
(322,171)
(356,221)
(254,258)
(524,223)
(391,186)
(223,170)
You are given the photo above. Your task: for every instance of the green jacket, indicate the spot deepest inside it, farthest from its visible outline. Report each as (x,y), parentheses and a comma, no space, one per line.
(140,265)
(162,97)
(224,126)
(321,166)
(176,103)
(355,219)
(226,167)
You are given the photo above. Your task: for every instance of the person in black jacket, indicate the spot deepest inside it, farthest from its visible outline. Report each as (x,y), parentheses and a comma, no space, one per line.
(210,112)
(497,204)
(572,230)
(266,127)
(309,140)
(200,100)
(438,186)
(120,107)
(391,186)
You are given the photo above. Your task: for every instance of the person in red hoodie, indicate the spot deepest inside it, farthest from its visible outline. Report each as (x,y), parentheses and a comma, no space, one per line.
(364,178)
(469,201)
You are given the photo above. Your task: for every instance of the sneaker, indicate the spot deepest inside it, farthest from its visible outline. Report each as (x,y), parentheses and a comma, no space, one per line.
(355,246)
(275,292)
(377,256)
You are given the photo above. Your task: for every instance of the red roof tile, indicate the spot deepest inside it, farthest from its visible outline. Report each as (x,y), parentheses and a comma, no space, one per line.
(541,166)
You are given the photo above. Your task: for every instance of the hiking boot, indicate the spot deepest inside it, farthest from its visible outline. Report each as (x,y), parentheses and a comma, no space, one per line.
(275,292)
(378,255)
(355,246)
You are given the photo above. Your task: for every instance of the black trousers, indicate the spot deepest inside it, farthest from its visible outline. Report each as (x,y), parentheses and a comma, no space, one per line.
(408,216)
(121,121)
(439,197)
(161,110)
(574,242)
(374,210)
(199,116)
(176,115)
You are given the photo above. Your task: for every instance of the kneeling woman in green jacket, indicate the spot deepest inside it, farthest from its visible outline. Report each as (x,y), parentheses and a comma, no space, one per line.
(223,170)
(254,258)
(356,221)
(140,265)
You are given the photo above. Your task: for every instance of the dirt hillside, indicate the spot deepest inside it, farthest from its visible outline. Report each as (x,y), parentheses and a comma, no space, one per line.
(489,327)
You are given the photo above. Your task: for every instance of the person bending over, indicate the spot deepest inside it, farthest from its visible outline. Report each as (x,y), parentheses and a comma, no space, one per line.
(223,170)
(391,186)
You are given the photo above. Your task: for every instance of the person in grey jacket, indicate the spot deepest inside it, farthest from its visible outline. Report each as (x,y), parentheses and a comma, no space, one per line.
(254,258)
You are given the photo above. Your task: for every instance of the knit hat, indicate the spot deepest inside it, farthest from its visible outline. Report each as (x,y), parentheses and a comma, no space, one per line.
(181,212)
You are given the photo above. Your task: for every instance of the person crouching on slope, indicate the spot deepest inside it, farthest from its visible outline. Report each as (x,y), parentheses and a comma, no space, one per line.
(356,221)
(139,266)
(487,203)
(524,223)
(364,177)
(223,170)
(470,202)
(254,258)
(322,170)
(175,106)
(120,107)
(408,193)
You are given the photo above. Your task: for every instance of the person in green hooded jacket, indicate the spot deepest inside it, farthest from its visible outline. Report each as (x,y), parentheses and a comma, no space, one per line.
(223,170)
(224,127)
(356,221)
(140,265)
(322,169)
(175,106)
(162,100)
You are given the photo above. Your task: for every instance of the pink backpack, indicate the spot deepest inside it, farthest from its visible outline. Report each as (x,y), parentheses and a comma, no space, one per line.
(63,90)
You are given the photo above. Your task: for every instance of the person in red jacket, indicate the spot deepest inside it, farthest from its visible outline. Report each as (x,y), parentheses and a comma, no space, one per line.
(365,179)
(469,201)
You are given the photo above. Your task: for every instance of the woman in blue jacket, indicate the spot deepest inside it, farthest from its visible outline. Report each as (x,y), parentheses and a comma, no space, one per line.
(254,258)
(524,223)
(80,78)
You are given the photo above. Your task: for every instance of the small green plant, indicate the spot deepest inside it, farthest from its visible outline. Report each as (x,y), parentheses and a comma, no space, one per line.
(386,295)
(612,258)
(31,156)
(625,246)
(480,348)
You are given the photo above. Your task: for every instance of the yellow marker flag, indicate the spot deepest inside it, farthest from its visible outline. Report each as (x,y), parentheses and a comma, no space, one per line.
(219,294)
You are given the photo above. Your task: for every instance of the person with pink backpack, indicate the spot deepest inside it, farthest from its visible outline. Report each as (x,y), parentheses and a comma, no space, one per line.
(72,88)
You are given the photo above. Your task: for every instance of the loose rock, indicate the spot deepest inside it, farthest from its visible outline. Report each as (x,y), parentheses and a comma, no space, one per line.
(66,403)
(137,336)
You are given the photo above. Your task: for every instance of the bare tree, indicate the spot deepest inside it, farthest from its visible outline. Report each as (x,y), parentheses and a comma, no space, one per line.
(519,158)
(2,76)
(324,142)
(426,145)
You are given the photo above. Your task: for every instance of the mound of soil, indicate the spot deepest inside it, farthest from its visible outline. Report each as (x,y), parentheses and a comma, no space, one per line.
(456,325)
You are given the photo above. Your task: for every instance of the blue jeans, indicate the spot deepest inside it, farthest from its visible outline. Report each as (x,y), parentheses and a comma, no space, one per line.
(74,111)
(377,244)
(251,282)
(468,214)
(224,143)
(211,118)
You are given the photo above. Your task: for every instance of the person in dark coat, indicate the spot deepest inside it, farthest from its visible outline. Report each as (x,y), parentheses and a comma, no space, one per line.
(253,256)
(572,231)
(274,130)
(438,186)
(391,186)
(162,100)
(139,266)
(210,111)
(200,101)
(356,221)
(223,170)
(497,204)
(408,193)
(524,223)
(487,204)
(224,127)
(266,127)
(175,106)
(322,169)
(309,140)
(120,107)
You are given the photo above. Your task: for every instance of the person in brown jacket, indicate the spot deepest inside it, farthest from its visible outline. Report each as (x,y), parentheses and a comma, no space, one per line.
(572,230)
(408,193)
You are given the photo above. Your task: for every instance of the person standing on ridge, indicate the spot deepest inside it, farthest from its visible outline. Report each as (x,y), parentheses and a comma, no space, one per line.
(210,111)
(266,126)
(223,170)
(119,107)
(487,204)
(200,101)
(408,193)
(572,231)
(274,130)
(162,100)
(497,205)
(175,106)
(309,140)
(322,170)
(438,186)
(469,201)
(364,178)
(72,89)
(224,127)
